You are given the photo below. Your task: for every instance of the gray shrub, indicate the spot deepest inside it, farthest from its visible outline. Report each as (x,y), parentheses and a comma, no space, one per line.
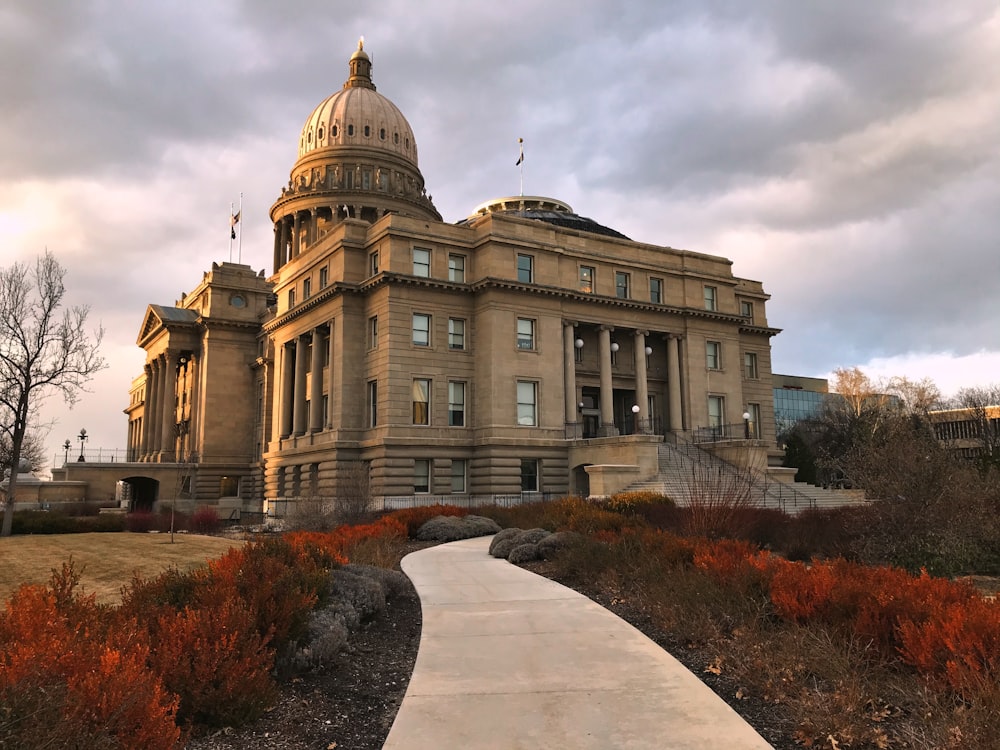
(523,553)
(502,537)
(550,545)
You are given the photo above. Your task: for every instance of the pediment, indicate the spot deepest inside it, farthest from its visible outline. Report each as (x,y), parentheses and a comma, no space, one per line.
(158,317)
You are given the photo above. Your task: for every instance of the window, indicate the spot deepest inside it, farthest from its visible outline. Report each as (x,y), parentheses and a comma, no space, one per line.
(291,298)
(421,476)
(229,487)
(456,268)
(421,262)
(713,355)
(525,269)
(750,365)
(366,174)
(656,290)
(754,411)
(456,333)
(373,263)
(587,279)
(458,475)
(324,274)
(421,401)
(306,288)
(372,403)
(421,329)
(710,298)
(529,475)
(746,309)
(716,411)
(456,404)
(527,411)
(525,333)
(621,285)
(373,332)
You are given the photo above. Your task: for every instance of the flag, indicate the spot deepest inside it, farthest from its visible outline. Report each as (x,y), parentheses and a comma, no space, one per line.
(233,221)
(521,157)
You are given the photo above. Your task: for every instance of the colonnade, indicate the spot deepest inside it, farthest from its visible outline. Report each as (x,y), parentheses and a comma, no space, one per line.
(157,436)
(299,229)
(300,409)
(641,341)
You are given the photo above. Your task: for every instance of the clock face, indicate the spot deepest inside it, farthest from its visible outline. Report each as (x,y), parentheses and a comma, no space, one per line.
(237,300)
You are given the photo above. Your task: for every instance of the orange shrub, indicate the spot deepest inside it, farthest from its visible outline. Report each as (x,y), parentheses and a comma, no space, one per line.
(799,593)
(732,563)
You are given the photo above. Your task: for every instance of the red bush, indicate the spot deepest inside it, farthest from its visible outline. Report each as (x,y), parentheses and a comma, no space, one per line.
(205,521)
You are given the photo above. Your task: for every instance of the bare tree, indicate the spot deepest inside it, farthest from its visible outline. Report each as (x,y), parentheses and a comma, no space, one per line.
(983,404)
(43,348)
(32,452)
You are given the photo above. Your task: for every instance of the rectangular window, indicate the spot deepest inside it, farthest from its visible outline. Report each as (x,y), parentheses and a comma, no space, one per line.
(372,403)
(229,487)
(306,288)
(458,476)
(456,268)
(529,475)
(421,329)
(324,277)
(527,410)
(621,285)
(291,298)
(746,309)
(754,411)
(525,269)
(373,267)
(711,303)
(366,179)
(421,476)
(456,404)
(656,290)
(713,355)
(587,279)
(716,411)
(421,262)
(373,332)
(456,333)
(525,333)
(750,365)
(421,401)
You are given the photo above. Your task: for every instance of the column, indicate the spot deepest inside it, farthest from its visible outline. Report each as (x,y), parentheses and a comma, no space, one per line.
(299,405)
(607,393)
(287,390)
(674,382)
(316,386)
(329,384)
(569,373)
(169,408)
(286,238)
(155,417)
(641,389)
(313,228)
(296,227)
(194,420)
(277,246)
(146,413)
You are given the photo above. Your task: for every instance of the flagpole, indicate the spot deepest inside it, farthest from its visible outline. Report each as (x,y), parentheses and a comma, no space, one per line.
(520,163)
(232,231)
(239,256)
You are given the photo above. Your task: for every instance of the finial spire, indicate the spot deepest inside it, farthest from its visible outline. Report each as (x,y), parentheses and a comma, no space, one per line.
(361,69)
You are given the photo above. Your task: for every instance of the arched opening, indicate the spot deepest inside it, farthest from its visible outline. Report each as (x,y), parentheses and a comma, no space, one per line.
(140,493)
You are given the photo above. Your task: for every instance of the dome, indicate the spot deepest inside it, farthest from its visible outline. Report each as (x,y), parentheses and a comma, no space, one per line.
(538,208)
(358,116)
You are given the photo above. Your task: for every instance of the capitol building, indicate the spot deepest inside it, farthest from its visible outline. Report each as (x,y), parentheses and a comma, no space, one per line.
(522,349)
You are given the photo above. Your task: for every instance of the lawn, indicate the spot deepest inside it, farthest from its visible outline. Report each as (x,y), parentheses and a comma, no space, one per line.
(106,561)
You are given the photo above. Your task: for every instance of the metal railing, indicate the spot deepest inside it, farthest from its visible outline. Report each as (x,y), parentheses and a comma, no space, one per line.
(279,507)
(94,455)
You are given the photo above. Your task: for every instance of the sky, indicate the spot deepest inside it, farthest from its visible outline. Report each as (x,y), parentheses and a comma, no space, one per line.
(845,153)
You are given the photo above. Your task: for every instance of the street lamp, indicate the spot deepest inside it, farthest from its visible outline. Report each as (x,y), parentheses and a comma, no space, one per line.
(746,425)
(66,446)
(82,437)
(635,417)
(578,343)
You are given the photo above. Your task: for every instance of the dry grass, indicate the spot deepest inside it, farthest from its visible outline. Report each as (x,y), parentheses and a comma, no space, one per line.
(106,561)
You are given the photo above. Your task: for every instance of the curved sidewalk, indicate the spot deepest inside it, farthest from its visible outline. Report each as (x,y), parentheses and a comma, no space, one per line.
(509,659)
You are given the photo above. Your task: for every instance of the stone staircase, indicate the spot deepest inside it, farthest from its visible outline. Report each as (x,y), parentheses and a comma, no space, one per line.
(688,475)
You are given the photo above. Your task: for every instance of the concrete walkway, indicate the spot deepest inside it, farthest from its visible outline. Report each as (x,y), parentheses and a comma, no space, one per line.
(510,660)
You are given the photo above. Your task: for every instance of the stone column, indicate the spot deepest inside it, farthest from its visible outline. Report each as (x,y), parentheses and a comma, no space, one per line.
(316,386)
(277,245)
(155,417)
(169,408)
(674,382)
(313,226)
(641,388)
(330,382)
(296,227)
(286,238)
(569,373)
(607,392)
(146,413)
(287,390)
(301,368)
(194,421)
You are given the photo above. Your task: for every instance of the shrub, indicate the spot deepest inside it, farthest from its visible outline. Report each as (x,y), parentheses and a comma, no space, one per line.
(205,521)
(635,501)
(139,522)
(414,518)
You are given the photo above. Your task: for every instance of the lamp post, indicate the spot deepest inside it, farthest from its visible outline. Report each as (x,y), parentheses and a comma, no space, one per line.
(746,425)
(66,446)
(82,437)
(635,418)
